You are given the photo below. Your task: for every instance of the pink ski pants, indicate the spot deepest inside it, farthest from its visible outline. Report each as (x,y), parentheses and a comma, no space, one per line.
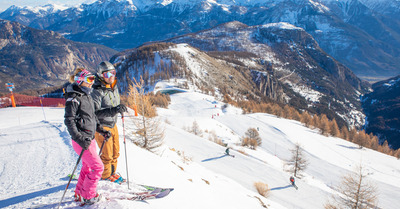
(91,171)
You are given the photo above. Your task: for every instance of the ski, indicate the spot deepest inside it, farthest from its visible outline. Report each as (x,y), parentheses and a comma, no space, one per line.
(152,188)
(139,188)
(143,196)
(74,177)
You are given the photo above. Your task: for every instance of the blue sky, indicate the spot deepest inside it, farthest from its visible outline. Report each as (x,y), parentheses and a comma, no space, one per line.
(4,4)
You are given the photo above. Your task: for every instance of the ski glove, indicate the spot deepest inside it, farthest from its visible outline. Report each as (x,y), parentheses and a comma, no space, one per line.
(118,109)
(84,143)
(106,134)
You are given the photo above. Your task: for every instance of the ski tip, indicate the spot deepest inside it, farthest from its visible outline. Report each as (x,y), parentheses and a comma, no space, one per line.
(163,194)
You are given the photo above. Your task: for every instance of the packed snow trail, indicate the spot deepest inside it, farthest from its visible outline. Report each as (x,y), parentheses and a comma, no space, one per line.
(43,144)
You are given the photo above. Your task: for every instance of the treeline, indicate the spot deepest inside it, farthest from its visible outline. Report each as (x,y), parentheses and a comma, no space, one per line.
(159,99)
(326,127)
(155,100)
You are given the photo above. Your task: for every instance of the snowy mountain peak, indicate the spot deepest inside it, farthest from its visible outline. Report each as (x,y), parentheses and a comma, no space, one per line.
(111,8)
(233,25)
(282,25)
(44,10)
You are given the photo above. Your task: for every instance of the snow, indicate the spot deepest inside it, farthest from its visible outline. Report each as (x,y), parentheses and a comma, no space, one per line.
(190,56)
(282,25)
(306,92)
(41,10)
(37,156)
(321,8)
(392,83)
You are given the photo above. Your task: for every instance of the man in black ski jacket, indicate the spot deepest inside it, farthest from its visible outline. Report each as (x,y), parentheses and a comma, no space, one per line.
(107,105)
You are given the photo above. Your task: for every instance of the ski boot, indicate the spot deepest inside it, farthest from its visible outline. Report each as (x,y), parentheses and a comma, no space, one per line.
(93,200)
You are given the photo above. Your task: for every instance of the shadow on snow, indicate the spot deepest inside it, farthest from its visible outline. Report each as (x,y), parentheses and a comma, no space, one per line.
(24,197)
(214,158)
(279,188)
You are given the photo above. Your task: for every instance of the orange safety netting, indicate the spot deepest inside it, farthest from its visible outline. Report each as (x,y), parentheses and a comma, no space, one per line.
(25,100)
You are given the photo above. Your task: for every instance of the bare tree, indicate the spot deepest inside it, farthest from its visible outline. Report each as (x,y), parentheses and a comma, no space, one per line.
(253,134)
(149,134)
(355,192)
(251,143)
(196,129)
(298,162)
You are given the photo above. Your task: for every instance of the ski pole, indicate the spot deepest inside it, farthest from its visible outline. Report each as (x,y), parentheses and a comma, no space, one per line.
(40,98)
(126,157)
(70,178)
(102,146)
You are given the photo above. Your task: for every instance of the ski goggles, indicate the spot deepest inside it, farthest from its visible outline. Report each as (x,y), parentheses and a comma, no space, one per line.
(89,79)
(109,74)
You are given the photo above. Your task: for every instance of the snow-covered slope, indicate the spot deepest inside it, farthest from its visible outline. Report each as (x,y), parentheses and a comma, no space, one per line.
(36,157)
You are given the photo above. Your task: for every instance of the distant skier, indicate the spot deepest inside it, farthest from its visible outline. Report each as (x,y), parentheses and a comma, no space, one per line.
(292,182)
(227,152)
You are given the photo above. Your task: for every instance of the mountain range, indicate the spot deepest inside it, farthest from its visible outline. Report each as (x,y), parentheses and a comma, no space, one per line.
(364,35)
(278,62)
(35,59)
(308,54)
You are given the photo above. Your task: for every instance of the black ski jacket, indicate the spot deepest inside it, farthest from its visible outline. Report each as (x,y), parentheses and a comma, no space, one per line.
(105,97)
(79,117)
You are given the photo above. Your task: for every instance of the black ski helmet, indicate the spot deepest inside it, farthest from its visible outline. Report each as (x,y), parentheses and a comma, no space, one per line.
(104,67)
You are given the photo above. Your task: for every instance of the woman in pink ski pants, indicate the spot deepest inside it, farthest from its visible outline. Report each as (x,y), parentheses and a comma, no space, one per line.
(81,121)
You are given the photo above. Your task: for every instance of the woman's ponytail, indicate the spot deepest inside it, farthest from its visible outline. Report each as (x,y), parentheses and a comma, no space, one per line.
(72,77)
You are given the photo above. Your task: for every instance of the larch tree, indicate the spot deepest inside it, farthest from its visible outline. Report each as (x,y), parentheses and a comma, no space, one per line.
(195,129)
(324,125)
(306,119)
(355,192)
(149,133)
(253,134)
(298,161)
(334,129)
